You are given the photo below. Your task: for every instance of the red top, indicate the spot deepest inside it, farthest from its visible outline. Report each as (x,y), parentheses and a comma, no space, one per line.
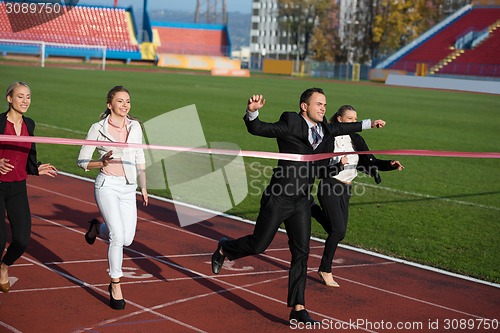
(17,154)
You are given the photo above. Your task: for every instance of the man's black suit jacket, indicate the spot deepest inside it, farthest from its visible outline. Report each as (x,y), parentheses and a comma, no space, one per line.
(31,165)
(294,178)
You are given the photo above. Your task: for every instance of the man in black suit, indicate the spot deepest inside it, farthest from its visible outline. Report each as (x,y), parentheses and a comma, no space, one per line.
(287,197)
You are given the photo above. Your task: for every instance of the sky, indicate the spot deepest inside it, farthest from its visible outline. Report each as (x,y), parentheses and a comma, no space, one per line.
(242,6)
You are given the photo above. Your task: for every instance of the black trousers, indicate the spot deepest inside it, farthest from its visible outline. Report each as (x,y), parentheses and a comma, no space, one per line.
(14,201)
(295,212)
(333,197)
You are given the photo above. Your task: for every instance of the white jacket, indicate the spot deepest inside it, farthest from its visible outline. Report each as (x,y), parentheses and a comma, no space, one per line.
(131,157)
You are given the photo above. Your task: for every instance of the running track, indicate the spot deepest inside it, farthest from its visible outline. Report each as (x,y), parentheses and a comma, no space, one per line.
(60,284)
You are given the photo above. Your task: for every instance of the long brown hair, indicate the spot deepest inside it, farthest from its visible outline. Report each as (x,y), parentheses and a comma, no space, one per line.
(109,98)
(340,113)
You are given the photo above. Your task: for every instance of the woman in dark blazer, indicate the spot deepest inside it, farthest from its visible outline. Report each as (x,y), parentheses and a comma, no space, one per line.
(335,188)
(17,161)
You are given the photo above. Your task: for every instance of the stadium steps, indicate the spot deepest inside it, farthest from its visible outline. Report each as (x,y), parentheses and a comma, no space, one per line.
(437,48)
(443,62)
(475,61)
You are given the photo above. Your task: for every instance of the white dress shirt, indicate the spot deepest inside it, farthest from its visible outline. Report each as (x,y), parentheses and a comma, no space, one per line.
(343,143)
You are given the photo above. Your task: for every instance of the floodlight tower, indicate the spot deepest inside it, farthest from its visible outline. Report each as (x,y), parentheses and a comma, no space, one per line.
(210,11)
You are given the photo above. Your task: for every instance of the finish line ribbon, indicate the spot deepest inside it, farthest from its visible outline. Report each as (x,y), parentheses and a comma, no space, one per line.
(244,153)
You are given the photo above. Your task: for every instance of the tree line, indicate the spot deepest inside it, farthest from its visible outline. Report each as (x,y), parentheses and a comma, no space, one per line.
(372,29)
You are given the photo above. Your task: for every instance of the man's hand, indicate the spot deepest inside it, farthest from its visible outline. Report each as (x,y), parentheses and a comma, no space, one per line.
(255,103)
(379,123)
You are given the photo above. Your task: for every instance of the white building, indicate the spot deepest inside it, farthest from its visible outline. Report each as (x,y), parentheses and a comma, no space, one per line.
(348,27)
(269,39)
(266,38)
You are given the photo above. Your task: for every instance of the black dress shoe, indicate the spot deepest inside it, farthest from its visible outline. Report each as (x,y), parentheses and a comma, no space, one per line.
(93,224)
(301,316)
(217,258)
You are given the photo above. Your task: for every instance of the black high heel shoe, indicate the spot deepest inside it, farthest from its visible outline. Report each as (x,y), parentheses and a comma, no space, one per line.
(115,304)
(93,224)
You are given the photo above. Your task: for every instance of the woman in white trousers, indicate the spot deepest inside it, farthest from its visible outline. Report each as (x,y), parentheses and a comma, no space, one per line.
(116,183)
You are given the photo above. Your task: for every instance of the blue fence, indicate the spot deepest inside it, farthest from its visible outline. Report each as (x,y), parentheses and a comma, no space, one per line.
(337,71)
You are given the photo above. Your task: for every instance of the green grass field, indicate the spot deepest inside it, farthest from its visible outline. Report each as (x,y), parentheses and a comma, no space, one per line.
(442,212)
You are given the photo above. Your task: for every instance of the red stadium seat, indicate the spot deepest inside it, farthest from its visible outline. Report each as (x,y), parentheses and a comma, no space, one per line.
(192,41)
(437,47)
(81,25)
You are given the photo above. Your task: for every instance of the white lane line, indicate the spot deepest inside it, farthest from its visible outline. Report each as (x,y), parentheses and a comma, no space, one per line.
(60,128)
(414,264)
(104,292)
(239,219)
(201,275)
(351,248)
(151,310)
(234,286)
(410,298)
(427,196)
(82,283)
(10,328)
(206,254)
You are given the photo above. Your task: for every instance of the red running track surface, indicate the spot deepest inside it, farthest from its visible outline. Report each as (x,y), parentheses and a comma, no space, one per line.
(60,284)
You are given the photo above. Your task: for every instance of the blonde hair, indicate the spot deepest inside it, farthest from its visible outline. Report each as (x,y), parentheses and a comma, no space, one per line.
(13,86)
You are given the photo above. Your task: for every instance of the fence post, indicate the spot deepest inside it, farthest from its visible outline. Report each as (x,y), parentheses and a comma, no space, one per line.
(356,69)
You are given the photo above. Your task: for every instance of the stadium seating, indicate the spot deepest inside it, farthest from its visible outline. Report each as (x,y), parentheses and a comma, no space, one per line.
(440,45)
(110,27)
(483,60)
(192,41)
